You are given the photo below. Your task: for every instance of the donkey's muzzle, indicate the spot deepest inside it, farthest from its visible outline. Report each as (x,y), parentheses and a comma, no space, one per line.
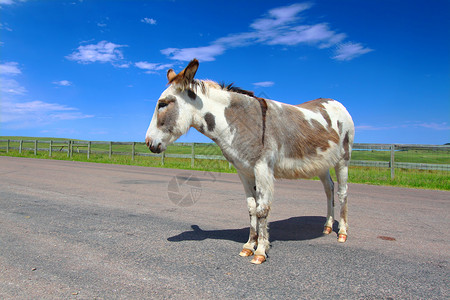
(154,148)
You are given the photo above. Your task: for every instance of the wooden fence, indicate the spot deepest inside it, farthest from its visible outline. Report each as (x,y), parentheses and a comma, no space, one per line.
(393,149)
(85,147)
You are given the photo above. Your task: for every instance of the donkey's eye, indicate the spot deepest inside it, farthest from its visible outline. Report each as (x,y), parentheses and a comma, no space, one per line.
(162,104)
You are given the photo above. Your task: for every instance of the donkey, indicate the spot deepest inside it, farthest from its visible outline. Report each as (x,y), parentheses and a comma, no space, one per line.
(263,139)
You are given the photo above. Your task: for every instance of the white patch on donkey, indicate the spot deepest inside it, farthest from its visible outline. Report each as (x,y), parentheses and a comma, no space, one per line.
(263,139)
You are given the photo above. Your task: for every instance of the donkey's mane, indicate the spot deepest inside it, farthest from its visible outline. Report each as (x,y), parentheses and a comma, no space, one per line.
(231,88)
(204,84)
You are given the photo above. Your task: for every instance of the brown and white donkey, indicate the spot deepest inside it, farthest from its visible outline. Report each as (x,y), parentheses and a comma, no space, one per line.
(263,139)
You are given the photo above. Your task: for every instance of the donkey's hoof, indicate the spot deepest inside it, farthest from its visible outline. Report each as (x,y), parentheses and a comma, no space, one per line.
(246,252)
(258,259)
(327,230)
(342,238)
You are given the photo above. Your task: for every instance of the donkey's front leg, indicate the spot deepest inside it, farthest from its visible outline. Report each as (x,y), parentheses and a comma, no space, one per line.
(250,194)
(264,194)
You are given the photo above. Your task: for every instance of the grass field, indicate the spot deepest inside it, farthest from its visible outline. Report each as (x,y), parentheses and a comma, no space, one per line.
(367,175)
(411,156)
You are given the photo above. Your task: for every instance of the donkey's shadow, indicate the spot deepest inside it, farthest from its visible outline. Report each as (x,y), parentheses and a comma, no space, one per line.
(292,229)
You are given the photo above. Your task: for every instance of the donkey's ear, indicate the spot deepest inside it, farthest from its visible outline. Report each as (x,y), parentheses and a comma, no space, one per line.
(190,70)
(171,75)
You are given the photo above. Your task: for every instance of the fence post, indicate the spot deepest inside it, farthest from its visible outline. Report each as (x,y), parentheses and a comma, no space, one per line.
(20,146)
(35,147)
(163,155)
(193,155)
(89,150)
(110,150)
(132,150)
(68,148)
(50,148)
(7,147)
(392,161)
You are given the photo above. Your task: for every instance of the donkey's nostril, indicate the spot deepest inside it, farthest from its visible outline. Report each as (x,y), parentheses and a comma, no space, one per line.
(155,148)
(147,141)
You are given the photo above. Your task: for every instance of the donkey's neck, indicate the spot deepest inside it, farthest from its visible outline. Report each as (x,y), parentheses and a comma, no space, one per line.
(232,121)
(210,119)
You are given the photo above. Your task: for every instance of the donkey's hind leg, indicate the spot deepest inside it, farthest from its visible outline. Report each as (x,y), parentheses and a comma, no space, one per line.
(342,176)
(250,194)
(328,185)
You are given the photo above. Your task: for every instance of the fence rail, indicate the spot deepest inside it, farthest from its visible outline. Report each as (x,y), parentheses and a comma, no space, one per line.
(390,152)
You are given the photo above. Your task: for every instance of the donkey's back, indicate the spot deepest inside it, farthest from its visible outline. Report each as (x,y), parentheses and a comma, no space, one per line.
(310,138)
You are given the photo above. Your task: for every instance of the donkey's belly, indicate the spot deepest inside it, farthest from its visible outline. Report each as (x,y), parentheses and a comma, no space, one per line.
(306,167)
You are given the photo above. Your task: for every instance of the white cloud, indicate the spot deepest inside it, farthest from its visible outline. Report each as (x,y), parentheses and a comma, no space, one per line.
(6,2)
(371,127)
(319,34)
(5,26)
(36,113)
(435,126)
(122,65)
(280,26)
(36,106)
(9,68)
(101,52)
(58,116)
(280,16)
(414,124)
(16,113)
(152,67)
(149,21)
(264,83)
(349,51)
(10,2)
(11,86)
(239,39)
(63,83)
(207,53)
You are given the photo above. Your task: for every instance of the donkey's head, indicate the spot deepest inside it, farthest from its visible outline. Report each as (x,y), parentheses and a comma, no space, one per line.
(174,109)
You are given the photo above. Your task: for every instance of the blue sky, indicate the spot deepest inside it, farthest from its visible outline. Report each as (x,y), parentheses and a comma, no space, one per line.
(94,69)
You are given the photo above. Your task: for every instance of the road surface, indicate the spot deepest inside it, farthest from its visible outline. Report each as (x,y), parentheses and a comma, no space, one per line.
(71,230)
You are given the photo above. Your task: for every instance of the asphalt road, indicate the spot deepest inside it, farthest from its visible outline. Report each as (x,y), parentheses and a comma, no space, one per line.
(71,230)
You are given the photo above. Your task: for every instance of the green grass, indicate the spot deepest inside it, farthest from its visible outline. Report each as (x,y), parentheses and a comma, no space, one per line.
(145,161)
(410,178)
(411,156)
(204,149)
(366,175)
